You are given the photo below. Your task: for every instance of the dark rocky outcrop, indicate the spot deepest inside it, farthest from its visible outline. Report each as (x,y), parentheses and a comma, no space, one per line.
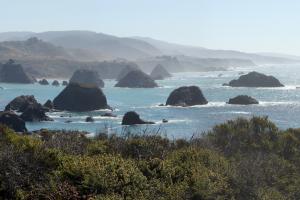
(243,100)
(55,83)
(13,121)
(186,96)
(20,103)
(43,82)
(79,98)
(137,79)
(35,113)
(11,72)
(125,71)
(65,83)
(87,77)
(132,118)
(255,79)
(49,104)
(159,73)
(89,119)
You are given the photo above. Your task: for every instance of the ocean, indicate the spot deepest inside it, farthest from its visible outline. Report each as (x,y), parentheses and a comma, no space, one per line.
(281,105)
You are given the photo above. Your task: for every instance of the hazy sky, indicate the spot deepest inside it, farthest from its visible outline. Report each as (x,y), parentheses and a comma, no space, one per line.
(247,25)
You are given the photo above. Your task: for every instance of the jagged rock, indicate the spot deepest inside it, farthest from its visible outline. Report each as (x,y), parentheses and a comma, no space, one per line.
(43,82)
(13,121)
(186,96)
(108,115)
(65,83)
(35,113)
(89,119)
(125,71)
(49,104)
(255,79)
(243,100)
(14,73)
(132,118)
(79,98)
(87,77)
(159,73)
(55,83)
(20,103)
(137,79)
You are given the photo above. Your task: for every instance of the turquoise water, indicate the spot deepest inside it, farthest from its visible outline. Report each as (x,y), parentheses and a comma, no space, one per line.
(282,105)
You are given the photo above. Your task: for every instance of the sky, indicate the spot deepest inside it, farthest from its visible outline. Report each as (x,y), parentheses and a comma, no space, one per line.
(245,25)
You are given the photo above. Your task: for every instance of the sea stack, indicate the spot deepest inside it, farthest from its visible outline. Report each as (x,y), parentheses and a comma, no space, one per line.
(255,79)
(137,79)
(43,82)
(20,103)
(243,100)
(159,73)
(87,77)
(14,73)
(80,98)
(55,83)
(186,96)
(125,71)
(132,118)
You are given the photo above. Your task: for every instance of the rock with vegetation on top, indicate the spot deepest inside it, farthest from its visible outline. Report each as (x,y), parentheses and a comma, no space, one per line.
(13,121)
(87,77)
(80,98)
(255,79)
(159,73)
(20,103)
(14,73)
(243,100)
(186,96)
(137,79)
(55,83)
(132,118)
(43,82)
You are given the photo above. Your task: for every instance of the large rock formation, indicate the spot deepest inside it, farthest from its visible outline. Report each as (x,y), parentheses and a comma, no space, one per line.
(132,118)
(87,77)
(159,73)
(186,96)
(243,100)
(13,73)
(13,121)
(79,98)
(35,113)
(125,71)
(255,79)
(137,79)
(20,103)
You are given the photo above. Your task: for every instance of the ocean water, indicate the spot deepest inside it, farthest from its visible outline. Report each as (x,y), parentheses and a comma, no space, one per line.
(281,105)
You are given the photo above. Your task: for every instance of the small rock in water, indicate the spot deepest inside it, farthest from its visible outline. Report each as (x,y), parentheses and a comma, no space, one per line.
(108,115)
(89,119)
(55,83)
(43,82)
(165,121)
(68,121)
(132,118)
(161,104)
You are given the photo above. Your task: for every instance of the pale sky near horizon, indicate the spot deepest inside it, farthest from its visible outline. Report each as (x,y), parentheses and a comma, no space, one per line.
(245,25)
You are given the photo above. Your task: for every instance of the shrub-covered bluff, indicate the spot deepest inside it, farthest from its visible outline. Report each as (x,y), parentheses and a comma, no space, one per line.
(240,159)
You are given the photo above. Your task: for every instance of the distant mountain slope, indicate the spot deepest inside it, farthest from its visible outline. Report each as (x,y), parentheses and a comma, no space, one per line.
(200,52)
(31,48)
(98,44)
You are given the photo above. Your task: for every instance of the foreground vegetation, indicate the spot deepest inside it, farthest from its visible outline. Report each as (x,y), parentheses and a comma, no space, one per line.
(240,159)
